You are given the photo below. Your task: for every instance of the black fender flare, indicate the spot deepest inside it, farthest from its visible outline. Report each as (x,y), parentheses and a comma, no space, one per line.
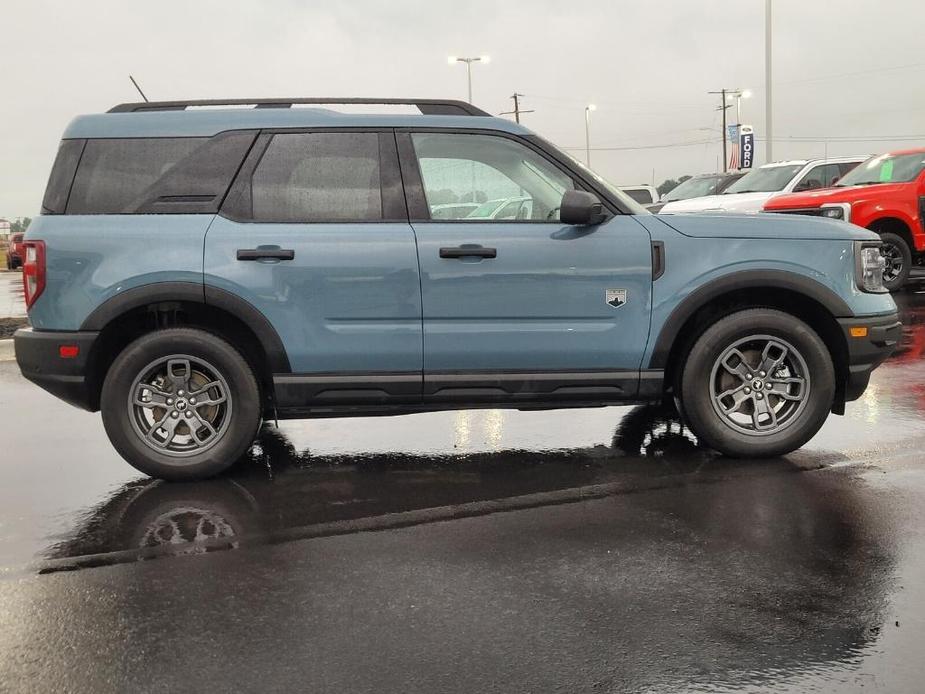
(112,308)
(743,279)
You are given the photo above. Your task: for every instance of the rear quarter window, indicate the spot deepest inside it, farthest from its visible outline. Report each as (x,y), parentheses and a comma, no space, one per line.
(62,176)
(114,173)
(157,175)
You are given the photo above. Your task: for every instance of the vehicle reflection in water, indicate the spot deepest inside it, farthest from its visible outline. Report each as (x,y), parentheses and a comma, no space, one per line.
(278,488)
(804,558)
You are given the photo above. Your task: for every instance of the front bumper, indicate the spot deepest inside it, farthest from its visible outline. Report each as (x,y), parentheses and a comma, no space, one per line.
(867,352)
(39,359)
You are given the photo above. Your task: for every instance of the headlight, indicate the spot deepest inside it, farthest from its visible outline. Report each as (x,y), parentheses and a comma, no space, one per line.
(838,210)
(869,266)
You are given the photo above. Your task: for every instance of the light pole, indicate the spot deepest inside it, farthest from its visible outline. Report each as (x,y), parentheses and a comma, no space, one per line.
(768,113)
(739,94)
(452,60)
(588,109)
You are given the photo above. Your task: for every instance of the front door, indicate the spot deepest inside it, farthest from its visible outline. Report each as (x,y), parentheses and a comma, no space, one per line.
(517,304)
(315,235)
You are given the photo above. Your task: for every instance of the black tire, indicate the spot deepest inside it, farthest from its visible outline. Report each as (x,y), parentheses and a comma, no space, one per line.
(234,422)
(702,372)
(901,259)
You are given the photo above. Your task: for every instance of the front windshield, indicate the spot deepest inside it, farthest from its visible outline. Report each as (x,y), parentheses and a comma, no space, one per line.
(696,187)
(633,206)
(766,179)
(887,168)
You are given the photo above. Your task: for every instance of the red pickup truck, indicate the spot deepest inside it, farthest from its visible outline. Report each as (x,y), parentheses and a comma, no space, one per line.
(885,194)
(14,252)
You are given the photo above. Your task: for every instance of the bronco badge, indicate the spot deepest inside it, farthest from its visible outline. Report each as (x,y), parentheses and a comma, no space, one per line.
(615,297)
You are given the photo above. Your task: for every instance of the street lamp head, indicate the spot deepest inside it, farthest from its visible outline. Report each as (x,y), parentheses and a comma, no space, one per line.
(591,107)
(451,59)
(485,59)
(746,93)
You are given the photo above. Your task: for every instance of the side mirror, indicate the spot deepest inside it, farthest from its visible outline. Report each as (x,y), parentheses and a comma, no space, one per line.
(581,208)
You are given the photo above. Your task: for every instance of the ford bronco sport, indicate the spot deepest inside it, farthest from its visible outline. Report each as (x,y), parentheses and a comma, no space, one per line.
(196,270)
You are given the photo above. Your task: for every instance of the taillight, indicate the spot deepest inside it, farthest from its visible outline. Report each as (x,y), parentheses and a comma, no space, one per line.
(33,270)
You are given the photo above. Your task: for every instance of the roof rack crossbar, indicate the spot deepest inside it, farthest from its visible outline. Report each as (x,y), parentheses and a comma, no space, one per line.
(428,107)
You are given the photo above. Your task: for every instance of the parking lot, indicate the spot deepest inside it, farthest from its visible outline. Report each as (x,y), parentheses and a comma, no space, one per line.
(484,550)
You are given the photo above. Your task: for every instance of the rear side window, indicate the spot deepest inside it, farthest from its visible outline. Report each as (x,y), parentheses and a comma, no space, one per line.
(318,177)
(62,175)
(114,173)
(640,195)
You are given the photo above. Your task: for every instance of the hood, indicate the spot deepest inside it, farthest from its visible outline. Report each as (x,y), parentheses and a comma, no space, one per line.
(852,194)
(734,202)
(766,226)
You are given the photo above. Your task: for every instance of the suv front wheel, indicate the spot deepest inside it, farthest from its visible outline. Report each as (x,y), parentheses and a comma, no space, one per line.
(180,404)
(757,383)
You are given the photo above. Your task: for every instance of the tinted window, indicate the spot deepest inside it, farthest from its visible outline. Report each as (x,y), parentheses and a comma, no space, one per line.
(819,177)
(115,173)
(316,177)
(509,180)
(62,176)
(640,195)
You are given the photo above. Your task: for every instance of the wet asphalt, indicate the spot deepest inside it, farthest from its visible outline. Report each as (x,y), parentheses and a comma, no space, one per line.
(575,550)
(11,295)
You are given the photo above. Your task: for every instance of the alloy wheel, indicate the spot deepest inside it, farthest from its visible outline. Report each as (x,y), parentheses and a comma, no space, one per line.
(180,405)
(759,385)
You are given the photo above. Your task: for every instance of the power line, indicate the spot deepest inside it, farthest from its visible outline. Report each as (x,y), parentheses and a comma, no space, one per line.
(638,147)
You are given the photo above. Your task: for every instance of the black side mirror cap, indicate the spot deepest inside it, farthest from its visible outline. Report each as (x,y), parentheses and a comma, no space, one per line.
(581,208)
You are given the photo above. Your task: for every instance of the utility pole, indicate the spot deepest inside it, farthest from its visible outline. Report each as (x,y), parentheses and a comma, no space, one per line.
(722,107)
(768,114)
(517,110)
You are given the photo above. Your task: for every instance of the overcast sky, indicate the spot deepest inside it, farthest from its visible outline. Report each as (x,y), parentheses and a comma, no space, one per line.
(842,69)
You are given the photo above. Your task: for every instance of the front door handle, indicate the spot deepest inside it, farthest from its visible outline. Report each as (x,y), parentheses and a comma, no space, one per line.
(265,254)
(469,252)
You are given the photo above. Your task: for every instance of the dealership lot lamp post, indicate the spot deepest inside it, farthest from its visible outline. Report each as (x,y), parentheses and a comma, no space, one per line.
(588,109)
(738,95)
(452,60)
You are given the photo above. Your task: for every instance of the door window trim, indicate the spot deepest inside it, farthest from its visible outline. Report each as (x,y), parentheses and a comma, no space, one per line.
(394,209)
(419,210)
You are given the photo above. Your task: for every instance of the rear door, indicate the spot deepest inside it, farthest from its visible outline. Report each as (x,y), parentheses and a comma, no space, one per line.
(524,306)
(314,233)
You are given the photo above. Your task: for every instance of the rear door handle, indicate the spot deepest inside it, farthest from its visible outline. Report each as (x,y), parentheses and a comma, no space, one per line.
(265,254)
(469,252)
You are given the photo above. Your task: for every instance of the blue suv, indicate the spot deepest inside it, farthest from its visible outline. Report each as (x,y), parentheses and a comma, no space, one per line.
(201,266)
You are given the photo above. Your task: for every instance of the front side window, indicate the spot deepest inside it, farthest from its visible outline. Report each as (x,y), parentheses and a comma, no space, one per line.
(487,178)
(318,177)
(823,176)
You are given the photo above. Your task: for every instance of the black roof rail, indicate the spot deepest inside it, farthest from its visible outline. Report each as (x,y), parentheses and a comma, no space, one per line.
(427,107)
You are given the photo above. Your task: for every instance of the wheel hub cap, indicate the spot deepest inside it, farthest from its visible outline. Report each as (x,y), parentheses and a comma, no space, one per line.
(180,405)
(759,385)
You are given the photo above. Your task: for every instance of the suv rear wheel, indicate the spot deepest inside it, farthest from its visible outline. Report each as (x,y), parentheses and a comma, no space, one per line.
(757,383)
(180,404)
(898,258)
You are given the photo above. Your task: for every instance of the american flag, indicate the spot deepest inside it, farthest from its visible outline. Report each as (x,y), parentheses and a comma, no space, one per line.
(733,146)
